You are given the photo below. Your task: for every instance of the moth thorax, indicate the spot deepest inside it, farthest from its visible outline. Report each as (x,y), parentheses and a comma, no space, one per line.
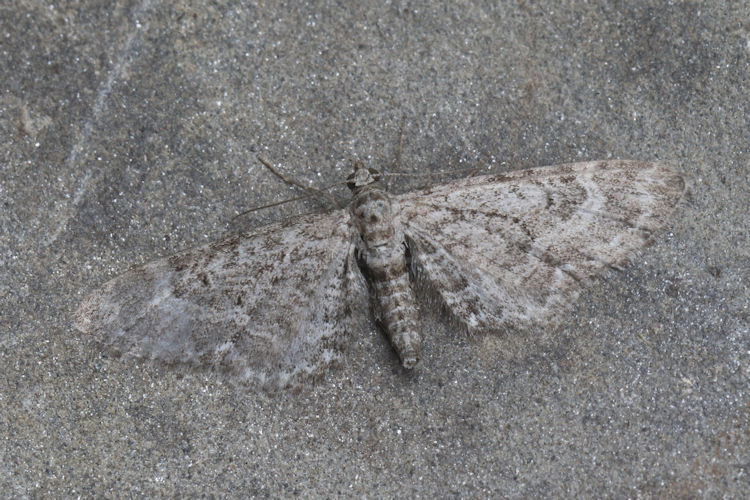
(373,215)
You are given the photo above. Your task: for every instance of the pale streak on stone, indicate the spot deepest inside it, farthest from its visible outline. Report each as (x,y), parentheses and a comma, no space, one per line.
(275,307)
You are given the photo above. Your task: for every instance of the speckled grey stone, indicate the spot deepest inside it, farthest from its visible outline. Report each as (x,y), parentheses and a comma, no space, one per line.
(130,131)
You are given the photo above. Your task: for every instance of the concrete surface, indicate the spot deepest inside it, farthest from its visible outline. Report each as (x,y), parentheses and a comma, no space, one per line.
(129,130)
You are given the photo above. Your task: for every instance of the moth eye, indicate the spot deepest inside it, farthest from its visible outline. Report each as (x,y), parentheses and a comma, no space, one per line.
(375,174)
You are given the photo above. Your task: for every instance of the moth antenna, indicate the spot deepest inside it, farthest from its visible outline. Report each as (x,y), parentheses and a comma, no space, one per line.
(312,192)
(271,205)
(399,147)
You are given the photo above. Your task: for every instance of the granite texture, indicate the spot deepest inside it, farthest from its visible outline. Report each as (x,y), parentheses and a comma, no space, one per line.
(130,130)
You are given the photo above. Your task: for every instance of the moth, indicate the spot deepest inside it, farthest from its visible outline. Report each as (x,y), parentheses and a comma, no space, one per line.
(274,307)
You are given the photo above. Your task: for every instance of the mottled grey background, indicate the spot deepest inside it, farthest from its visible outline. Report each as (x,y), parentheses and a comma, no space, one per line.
(129,130)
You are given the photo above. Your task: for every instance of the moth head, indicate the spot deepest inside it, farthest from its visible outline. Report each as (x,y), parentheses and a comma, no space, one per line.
(362,176)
